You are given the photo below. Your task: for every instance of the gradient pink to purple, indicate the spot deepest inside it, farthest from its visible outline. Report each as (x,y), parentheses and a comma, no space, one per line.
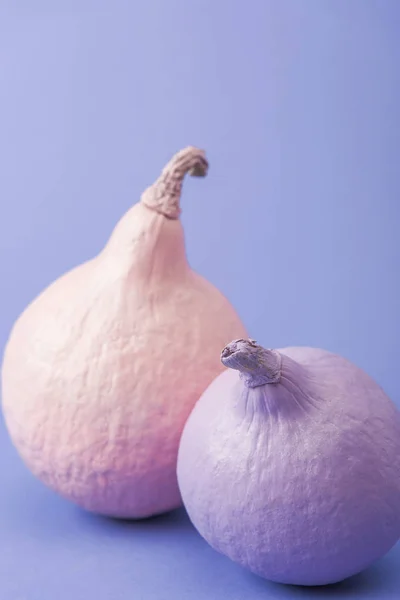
(103,368)
(296,104)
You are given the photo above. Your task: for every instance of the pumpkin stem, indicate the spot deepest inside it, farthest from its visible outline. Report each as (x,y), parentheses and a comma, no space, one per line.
(256,365)
(164,194)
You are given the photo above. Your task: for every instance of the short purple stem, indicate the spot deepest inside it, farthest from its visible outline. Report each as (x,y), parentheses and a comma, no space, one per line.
(256,365)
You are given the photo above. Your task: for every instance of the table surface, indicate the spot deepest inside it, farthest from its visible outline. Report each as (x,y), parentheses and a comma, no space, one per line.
(52,550)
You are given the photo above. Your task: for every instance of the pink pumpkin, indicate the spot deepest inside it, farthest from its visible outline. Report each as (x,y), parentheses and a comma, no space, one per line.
(102,370)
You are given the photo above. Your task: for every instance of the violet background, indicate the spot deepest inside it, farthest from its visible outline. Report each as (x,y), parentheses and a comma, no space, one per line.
(297,105)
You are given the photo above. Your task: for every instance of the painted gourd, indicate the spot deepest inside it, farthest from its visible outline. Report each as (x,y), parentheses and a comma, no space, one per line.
(290,464)
(103,368)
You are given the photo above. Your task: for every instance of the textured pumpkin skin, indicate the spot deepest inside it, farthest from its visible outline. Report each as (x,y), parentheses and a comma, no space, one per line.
(102,370)
(299,490)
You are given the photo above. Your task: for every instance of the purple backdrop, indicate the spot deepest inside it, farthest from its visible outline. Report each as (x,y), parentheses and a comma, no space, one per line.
(296,103)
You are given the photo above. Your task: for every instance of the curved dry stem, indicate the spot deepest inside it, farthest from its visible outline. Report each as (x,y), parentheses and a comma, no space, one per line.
(164,194)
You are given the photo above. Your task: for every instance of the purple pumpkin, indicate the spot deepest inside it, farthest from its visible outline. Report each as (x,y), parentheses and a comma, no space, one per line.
(290,465)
